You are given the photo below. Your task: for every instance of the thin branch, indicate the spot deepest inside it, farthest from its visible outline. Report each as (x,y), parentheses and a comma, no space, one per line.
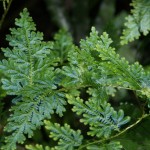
(5,13)
(120,133)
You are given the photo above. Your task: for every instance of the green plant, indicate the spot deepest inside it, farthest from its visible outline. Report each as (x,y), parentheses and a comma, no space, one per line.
(138,22)
(46,78)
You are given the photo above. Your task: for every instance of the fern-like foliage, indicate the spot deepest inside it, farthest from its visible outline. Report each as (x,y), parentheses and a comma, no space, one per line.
(29,74)
(38,147)
(109,146)
(97,64)
(44,76)
(126,75)
(68,138)
(122,74)
(138,22)
(63,43)
(98,114)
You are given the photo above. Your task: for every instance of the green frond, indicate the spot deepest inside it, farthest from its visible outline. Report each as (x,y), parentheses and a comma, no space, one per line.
(82,62)
(25,119)
(138,22)
(67,137)
(62,45)
(97,64)
(27,57)
(124,72)
(99,115)
(99,94)
(37,147)
(116,71)
(109,69)
(113,145)
(29,74)
(89,43)
(29,115)
(72,76)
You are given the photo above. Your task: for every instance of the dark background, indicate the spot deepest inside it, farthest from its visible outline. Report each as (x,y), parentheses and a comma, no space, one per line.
(75,11)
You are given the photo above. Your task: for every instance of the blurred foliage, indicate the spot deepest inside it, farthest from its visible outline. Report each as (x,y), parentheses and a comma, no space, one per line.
(138,22)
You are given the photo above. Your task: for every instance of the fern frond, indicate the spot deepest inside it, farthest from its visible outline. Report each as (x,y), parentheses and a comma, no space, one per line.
(37,147)
(62,45)
(99,115)
(121,67)
(72,76)
(68,138)
(108,70)
(27,56)
(29,74)
(82,63)
(28,115)
(113,145)
(138,22)
(116,71)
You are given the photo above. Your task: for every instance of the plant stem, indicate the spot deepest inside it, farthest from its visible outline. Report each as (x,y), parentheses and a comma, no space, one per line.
(114,136)
(5,13)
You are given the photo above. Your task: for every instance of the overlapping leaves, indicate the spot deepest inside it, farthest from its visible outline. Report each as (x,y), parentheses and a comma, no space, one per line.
(39,87)
(138,22)
(68,138)
(98,114)
(29,74)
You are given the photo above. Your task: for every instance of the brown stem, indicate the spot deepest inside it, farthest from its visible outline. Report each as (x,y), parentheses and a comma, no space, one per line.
(5,13)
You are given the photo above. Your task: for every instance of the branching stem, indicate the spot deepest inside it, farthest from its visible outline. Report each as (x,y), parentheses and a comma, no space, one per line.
(120,133)
(5,13)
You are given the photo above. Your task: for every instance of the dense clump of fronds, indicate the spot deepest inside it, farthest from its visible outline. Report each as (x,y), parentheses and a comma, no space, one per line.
(44,77)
